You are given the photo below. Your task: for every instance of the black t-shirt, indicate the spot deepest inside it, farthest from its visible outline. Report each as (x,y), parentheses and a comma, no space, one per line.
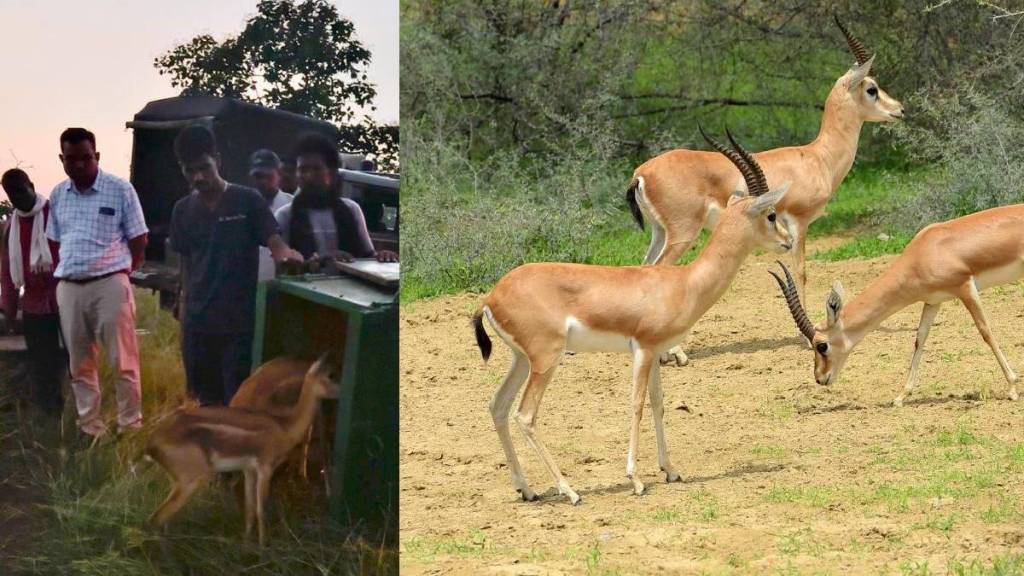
(220,250)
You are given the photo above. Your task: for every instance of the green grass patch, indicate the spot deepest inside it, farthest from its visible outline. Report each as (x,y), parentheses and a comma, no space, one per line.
(999,565)
(866,193)
(999,512)
(939,523)
(768,451)
(961,436)
(706,505)
(868,246)
(800,541)
(814,496)
(474,544)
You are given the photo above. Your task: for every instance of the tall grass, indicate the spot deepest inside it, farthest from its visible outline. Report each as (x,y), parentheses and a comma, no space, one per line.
(94,501)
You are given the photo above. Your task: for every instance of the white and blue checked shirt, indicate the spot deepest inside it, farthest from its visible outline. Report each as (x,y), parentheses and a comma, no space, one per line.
(93,227)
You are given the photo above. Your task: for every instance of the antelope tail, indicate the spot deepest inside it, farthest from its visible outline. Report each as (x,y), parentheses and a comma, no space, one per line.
(631,199)
(482,339)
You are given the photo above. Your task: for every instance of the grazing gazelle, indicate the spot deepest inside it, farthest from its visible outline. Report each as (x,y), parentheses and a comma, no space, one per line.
(682,191)
(946,260)
(193,444)
(543,310)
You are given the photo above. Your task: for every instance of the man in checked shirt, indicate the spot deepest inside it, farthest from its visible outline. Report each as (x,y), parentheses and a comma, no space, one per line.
(97,220)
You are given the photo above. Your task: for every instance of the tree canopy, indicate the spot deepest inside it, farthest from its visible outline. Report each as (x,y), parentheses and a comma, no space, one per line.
(302,57)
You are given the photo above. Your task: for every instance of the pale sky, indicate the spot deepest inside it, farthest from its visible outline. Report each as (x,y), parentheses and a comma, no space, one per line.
(72,63)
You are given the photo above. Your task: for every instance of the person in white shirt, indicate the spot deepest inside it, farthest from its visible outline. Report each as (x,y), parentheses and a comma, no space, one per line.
(319,221)
(265,176)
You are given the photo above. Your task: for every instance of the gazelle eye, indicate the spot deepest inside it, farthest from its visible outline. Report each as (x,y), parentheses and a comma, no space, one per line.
(872,91)
(771,217)
(822,348)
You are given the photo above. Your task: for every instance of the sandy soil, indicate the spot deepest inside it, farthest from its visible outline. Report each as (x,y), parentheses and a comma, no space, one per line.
(780,475)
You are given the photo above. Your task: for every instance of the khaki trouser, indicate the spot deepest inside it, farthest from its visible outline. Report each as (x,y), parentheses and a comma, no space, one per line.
(101,313)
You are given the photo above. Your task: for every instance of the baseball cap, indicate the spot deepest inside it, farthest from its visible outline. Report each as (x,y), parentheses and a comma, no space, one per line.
(264,159)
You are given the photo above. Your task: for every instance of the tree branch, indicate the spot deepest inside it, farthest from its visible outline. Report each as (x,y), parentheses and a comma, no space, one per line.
(698,102)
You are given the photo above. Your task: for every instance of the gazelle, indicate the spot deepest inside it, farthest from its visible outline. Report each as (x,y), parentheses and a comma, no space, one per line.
(274,388)
(947,260)
(194,444)
(543,310)
(682,191)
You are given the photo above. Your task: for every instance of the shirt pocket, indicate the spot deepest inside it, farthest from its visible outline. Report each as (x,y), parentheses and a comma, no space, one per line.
(108,223)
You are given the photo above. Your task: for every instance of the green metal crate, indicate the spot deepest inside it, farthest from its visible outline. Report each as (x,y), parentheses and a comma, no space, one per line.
(358,324)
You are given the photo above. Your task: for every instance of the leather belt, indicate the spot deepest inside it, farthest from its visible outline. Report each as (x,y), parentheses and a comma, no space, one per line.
(93,279)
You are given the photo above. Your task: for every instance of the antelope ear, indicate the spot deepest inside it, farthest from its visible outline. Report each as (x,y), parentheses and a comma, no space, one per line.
(859,73)
(766,201)
(834,302)
(739,192)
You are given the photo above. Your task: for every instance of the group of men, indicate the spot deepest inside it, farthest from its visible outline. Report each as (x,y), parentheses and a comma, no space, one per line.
(65,263)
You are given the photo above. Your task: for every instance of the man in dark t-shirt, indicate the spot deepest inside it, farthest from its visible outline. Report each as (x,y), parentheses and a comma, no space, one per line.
(218,230)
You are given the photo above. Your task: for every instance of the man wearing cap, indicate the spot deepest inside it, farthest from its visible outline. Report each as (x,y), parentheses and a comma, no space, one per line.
(265,175)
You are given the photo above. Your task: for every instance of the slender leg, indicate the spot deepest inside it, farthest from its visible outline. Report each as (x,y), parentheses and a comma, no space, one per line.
(250,502)
(657,242)
(927,316)
(642,364)
(325,456)
(179,495)
(263,476)
(527,418)
(675,247)
(501,404)
(973,303)
(676,244)
(658,408)
(304,466)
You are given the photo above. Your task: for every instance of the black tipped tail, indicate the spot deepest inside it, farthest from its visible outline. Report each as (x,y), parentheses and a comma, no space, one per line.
(633,206)
(482,339)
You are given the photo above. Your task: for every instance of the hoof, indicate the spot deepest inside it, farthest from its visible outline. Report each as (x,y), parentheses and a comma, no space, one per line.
(528,495)
(638,487)
(897,402)
(1013,395)
(679,359)
(575,499)
(673,476)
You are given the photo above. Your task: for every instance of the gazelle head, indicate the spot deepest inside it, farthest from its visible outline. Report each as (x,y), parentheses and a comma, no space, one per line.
(756,204)
(865,95)
(318,377)
(829,340)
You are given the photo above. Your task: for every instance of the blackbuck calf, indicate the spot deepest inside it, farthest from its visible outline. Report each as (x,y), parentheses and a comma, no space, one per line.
(274,388)
(193,444)
(543,310)
(682,191)
(948,260)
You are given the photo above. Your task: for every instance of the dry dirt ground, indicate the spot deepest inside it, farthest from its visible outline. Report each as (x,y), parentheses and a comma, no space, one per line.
(780,475)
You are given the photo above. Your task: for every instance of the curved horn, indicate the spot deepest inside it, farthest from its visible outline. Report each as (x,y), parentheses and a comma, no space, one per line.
(860,52)
(793,301)
(736,158)
(762,184)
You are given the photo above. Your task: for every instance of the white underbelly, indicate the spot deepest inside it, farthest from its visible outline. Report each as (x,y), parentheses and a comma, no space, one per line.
(996,276)
(222,464)
(581,338)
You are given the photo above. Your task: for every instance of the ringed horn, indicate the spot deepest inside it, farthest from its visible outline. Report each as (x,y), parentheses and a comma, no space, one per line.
(793,301)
